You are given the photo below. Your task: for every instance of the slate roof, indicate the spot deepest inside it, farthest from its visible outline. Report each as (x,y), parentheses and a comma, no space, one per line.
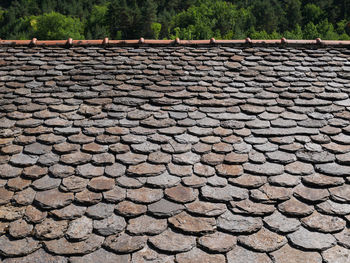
(175,153)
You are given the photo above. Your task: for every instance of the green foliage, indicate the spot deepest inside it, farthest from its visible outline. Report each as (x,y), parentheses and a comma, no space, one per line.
(266,12)
(206,19)
(57,26)
(297,33)
(156,28)
(96,27)
(312,13)
(310,31)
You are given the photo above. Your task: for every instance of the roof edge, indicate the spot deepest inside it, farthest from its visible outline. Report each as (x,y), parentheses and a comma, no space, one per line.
(139,42)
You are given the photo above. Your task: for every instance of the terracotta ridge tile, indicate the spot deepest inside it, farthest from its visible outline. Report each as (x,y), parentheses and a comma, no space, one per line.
(142,41)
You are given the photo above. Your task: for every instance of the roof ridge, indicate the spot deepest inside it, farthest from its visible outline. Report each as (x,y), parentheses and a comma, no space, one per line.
(177,41)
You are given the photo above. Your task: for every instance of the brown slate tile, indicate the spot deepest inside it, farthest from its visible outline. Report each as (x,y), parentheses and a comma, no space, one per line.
(130,209)
(64,247)
(240,254)
(53,198)
(38,256)
(198,255)
(50,229)
(263,241)
(181,194)
(293,207)
(100,256)
(299,256)
(194,225)
(307,240)
(169,241)
(323,223)
(19,247)
(123,243)
(146,225)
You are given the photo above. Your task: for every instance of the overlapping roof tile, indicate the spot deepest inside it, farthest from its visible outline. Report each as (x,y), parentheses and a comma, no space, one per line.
(188,152)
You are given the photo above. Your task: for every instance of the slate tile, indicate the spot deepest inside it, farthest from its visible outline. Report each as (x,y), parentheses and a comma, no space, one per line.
(62,246)
(264,169)
(336,254)
(87,197)
(307,240)
(333,169)
(197,255)
(169,241)
(299,256)
(20,247)
(240,254)
(238,224)
(53,198)
(50,229)
(130,209)
(323,223)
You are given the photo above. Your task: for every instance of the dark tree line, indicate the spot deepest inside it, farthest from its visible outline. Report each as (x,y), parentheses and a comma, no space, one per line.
(168,19)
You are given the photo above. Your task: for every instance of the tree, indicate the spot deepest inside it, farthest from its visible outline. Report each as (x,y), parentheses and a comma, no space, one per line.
(156,28)
(124,19)
(96,26)
(218,19)
(57,26)
(310,31)
(291,16)
(267,13)
(312,13)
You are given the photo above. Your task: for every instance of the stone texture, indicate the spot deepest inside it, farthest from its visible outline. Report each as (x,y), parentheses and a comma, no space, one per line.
(110,225)
(294,207)
(101,256)
(146,169)
(79,229)
(323,223)
(197,255)
(71,211)
(226,193)
(38,256)
(281,224)
(100,210)
(127,208)
(190,224)
(63,247)
(247,207)
(146,225)
(206,208)
(336,254)
(264,169)
(343,238)
(169,241)
(218,242)
(181,194)
(52,199)
(215,143)
(288,254)
(144,195)
(123,243)
(238,224)
(165,208)
(50,229)
(305,239)
(311,194)
(20,228)
(148,255)
(263,241)
(240,254)
(19,247)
